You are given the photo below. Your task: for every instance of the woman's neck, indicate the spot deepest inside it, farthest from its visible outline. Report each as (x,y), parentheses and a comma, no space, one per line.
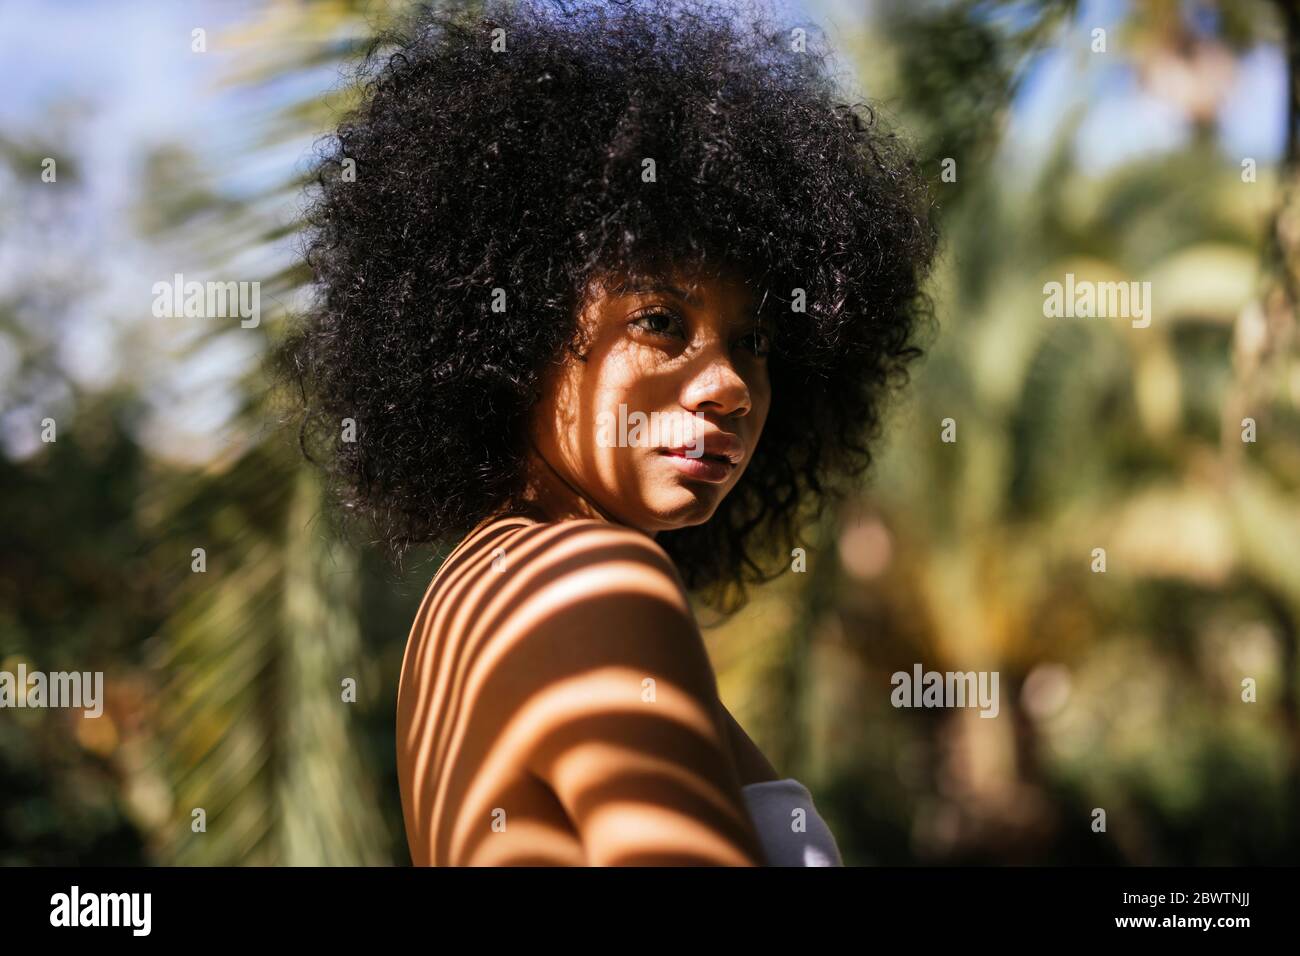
(549,497)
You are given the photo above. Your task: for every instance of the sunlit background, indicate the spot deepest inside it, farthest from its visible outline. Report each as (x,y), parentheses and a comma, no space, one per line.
(1155,151)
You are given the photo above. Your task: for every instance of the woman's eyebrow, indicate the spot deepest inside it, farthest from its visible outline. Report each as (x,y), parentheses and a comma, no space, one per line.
(639,288)
(752,314)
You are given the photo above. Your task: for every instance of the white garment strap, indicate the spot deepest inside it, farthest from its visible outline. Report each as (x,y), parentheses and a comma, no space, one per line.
(789,827)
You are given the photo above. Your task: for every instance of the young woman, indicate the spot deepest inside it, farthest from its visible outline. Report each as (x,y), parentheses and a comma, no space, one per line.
(612,296)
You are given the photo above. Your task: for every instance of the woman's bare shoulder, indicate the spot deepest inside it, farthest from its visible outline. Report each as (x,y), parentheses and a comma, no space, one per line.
(514,575)
(547,551)
(589,676)
(580,592)
(602,677)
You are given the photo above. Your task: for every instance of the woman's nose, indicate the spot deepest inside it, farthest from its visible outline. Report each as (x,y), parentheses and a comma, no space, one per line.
(716,386)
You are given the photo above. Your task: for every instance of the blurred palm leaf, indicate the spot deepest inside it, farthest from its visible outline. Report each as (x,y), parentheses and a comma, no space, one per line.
(254,727)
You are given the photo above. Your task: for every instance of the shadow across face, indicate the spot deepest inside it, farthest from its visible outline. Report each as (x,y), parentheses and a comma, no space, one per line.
(656,419)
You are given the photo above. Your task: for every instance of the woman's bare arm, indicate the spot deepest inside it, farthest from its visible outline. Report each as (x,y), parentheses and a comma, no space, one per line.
(616,704)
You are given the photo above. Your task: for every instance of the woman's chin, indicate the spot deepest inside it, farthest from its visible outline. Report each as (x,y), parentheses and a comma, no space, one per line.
(684,505)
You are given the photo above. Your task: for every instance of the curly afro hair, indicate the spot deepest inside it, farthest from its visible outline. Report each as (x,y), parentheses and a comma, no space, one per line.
(505,149)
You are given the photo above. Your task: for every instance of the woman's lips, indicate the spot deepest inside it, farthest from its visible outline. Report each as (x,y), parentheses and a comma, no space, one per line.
(705,468)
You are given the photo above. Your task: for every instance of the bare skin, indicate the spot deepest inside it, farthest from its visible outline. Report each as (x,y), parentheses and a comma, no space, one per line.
(557,705)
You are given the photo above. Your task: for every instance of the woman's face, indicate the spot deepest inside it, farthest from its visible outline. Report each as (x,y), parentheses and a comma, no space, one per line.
(659,422)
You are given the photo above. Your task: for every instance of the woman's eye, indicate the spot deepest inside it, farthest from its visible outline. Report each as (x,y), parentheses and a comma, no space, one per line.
(658,322)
